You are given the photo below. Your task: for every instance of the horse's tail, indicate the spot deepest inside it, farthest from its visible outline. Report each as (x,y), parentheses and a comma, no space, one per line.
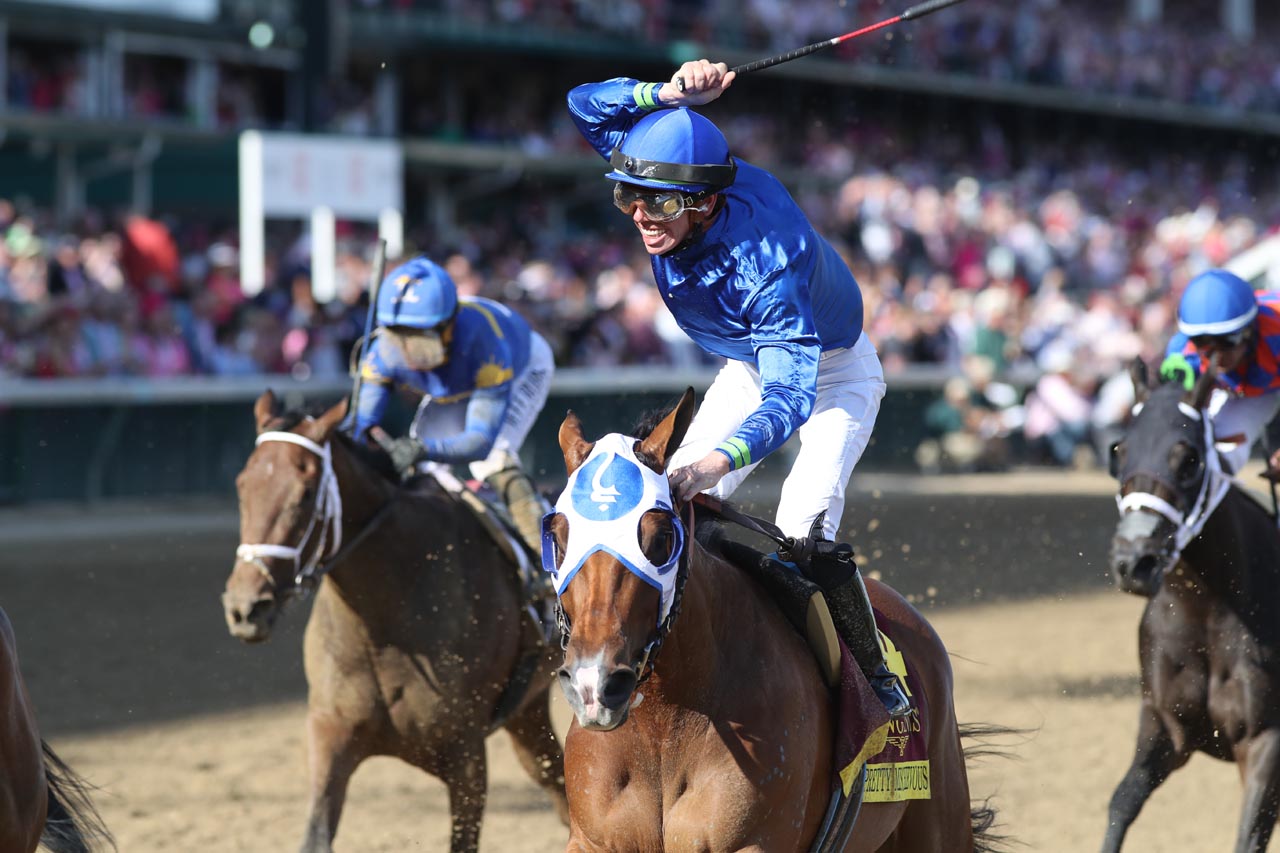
(982,741)
(73,824)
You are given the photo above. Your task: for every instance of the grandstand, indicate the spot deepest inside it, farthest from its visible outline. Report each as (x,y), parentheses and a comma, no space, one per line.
(1026,183)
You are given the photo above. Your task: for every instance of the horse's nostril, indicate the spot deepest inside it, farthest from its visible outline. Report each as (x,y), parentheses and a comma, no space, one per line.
(618,686)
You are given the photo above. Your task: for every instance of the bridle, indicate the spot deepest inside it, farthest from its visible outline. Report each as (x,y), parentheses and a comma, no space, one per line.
(1214,483)
(323,535)
(646,660)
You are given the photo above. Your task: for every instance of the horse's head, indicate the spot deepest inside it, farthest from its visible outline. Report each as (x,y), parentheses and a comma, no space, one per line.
(616,547)
(290,513)
(1164,462)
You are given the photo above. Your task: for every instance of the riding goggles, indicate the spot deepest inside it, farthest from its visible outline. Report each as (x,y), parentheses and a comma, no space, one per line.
(1219,341)
(660,206)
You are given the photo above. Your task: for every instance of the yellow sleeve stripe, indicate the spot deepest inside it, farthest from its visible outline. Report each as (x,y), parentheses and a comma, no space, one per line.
(493,321)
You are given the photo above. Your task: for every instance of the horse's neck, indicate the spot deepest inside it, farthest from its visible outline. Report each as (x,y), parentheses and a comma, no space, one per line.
(363,490)
(1237,554)
(692,662)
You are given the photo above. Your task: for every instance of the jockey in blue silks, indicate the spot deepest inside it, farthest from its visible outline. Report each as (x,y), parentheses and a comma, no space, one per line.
(1221,314)
(747,278)
(483,374)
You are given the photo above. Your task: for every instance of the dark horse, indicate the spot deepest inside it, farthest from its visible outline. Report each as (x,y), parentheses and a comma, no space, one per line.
(727,746)
(417,646)
(1209,640)
(42,801)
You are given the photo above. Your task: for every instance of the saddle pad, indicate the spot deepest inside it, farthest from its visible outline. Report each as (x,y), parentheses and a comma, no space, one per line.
(862,724)
(900,771)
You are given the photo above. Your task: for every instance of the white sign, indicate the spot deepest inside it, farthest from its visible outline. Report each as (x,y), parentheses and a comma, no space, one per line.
(356,178)
(320,178)
(194,10)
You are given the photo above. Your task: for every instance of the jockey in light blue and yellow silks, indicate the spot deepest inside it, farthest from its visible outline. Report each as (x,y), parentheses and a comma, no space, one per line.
(483,373)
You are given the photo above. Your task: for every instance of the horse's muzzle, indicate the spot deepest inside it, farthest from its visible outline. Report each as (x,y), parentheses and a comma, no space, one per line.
(1137,566)
(1141,550)
(600,699)
(250,621)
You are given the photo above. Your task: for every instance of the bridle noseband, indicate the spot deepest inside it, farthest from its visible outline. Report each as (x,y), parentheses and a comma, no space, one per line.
(325,525)
(1214,483)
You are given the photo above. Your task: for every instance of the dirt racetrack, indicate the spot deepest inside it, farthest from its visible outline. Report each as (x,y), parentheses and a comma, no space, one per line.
(196,741)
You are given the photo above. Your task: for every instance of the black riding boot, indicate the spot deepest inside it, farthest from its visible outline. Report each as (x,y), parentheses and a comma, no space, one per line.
(831,566)
(526,509)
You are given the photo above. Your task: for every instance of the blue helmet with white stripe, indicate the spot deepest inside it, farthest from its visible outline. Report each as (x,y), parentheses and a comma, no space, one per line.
(1216,303)
(418,294)
(674,149)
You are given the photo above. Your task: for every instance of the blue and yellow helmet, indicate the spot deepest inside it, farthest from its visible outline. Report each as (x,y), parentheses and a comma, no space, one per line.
(674,149)
(1216,302)
(418,294)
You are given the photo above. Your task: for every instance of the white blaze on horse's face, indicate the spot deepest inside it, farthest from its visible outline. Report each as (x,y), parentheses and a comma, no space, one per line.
(584,688)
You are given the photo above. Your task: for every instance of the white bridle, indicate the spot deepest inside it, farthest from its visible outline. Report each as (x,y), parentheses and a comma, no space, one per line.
(326,518)
(1213,486)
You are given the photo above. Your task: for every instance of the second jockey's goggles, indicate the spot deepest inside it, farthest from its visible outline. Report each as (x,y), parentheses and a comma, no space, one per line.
(659,205)
(1234,339)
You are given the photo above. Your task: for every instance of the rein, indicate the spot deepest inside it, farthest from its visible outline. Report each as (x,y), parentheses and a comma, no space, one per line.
(325,524)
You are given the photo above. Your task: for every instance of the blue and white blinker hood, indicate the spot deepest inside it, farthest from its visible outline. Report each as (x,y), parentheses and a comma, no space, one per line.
(604,501)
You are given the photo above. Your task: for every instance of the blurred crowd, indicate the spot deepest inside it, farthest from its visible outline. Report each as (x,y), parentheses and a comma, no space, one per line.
(1087,47)
(1053,272)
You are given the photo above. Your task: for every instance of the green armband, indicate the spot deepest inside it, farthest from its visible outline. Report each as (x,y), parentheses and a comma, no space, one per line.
(737,451)
(1176,368)
(646,95)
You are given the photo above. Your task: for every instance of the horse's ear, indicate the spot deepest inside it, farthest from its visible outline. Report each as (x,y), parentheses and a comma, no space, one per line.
(576,448)
(666,436)
(264,409)
(1141,379)
(327,422)
(1205,384)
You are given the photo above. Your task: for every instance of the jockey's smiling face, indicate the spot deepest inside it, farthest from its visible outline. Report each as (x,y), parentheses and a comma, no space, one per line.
(663,218)
(661,237)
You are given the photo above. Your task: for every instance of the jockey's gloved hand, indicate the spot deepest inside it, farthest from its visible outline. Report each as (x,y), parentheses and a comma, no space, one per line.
(405,452)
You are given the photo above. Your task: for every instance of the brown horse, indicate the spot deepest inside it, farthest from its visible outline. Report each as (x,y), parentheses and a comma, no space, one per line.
(42,801)
(417,645)
(728,746)
(1209,640)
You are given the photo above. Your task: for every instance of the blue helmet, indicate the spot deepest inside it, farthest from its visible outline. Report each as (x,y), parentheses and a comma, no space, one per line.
(1215,303)
(418,294)
(674,149)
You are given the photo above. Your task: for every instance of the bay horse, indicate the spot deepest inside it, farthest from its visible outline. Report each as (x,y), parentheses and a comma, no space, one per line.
(417,646)
(728,746)
(1208,557)
(43,802)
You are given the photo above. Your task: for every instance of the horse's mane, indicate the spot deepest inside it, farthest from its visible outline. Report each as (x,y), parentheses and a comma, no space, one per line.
(374,457)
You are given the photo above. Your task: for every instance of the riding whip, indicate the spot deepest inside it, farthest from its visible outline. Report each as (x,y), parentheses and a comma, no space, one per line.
(375,285)
(917,11)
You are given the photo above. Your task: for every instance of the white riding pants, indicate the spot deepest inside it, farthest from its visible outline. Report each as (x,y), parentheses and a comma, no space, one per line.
(850,388)
(1244,418)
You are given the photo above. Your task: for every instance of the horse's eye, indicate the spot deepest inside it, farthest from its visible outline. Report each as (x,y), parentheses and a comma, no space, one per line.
(1189,468)
(1115,458)
(658,549)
